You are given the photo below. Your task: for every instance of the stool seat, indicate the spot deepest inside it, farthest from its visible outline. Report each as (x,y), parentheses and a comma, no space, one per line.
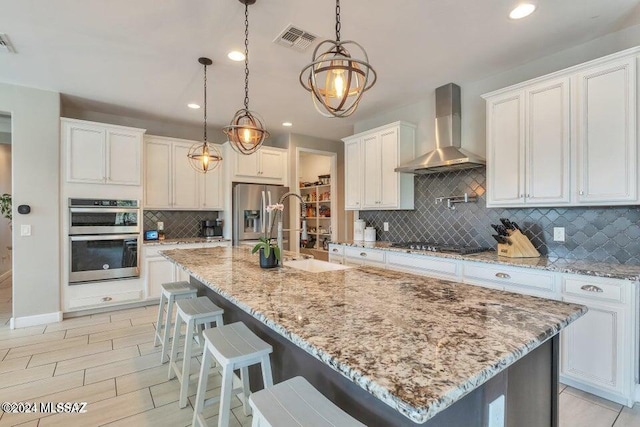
(177,288)
(235,343)
(295,402)
(197,308)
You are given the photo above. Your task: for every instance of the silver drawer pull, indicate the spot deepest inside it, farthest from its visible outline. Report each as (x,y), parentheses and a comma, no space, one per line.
(503,276)
(335,249)
(105,299)
(363,254)
(591,288)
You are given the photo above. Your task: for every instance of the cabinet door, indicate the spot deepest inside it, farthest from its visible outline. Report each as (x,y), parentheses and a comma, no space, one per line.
(505,150)
(247,165)
(123,158)
(548,143)
(85,154)
(186,180)
(157,174)
(158,270)
(389,179)
(212,194)
(371,165)
(352,174)
(272,164)
(606,121)
(593,347)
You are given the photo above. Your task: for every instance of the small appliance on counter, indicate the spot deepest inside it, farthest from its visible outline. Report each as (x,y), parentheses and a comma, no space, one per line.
(151,235)
(358,229)
(211,228)
(369,234)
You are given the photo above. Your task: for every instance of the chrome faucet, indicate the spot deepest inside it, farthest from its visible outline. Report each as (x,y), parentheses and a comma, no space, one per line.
(303,215)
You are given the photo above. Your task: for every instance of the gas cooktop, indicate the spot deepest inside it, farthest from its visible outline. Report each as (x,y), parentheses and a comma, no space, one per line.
(436,247)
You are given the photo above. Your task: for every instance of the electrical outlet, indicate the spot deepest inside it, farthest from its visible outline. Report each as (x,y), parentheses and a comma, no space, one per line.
(558,234)
(25,230)
(160,226)
(385,226)
(496,412)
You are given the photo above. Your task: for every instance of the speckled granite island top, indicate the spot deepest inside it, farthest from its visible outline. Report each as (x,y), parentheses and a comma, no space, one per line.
(418,344)
(561,265)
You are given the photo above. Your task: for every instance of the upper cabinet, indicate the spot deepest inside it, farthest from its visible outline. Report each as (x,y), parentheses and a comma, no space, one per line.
(371,182)
(267,165)
(171,182)
(567,139)
(96,153)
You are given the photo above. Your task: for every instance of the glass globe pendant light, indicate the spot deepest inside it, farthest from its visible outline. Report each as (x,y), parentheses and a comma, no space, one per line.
(247,131)
(204,156)
(335,78)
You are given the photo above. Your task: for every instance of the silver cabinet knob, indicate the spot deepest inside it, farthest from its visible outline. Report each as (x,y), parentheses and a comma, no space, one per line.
(105,299)
(503,276)
(591,288)
(335,250)
(363,254)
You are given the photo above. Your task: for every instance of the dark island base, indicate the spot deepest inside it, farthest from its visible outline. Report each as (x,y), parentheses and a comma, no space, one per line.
(530,385)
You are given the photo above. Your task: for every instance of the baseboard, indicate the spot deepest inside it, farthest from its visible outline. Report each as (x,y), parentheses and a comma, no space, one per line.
(38,319)
(5,275)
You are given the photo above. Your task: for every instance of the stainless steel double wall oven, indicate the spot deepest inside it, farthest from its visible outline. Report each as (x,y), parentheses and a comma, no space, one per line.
(104,238)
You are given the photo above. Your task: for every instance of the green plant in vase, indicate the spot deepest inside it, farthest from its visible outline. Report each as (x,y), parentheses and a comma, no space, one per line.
(269,251)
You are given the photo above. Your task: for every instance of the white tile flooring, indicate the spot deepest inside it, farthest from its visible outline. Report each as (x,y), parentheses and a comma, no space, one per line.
(109,361)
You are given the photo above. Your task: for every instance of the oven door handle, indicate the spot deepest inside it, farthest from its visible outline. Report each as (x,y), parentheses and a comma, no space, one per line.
(105,237)
(104,210)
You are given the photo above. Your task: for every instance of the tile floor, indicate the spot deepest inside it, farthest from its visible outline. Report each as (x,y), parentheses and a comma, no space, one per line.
(109,361)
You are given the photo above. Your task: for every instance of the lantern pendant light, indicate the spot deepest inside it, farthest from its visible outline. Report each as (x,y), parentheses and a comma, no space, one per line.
(247,131)
(204,156)
(335,78)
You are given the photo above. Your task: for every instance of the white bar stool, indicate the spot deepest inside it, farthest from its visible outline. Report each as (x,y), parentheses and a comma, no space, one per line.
(171,292)
(295,402)
(234,347)
(196,313)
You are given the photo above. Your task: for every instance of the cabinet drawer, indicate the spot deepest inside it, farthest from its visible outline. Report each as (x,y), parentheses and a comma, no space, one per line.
(600,290)
(365,254)
(336,250)
(506,276)
(422,264)
(97,300)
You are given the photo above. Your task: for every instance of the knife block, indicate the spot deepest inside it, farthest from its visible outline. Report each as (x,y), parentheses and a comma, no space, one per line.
(520,247)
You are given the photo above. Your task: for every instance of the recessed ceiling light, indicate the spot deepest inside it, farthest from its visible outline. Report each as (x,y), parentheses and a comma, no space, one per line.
(522,10)
(235,55)
(194,106)
(287,124)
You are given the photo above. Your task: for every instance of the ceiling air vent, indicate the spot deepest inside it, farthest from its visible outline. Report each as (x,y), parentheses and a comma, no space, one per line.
(5,44)
(295,38)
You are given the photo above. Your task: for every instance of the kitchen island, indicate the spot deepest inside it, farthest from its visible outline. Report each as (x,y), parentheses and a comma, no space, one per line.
(393,348)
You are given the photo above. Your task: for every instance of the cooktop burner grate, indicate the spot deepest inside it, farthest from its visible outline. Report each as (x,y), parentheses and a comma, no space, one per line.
(436,247)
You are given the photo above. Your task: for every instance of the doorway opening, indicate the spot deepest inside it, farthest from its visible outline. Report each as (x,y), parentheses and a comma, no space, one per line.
(6,245)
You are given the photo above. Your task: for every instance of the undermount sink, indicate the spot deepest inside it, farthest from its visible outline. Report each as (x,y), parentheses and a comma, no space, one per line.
(314,266)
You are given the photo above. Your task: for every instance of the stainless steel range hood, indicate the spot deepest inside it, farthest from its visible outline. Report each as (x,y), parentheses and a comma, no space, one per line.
(448,155)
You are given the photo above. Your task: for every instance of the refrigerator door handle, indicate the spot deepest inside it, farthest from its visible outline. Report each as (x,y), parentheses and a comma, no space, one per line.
(263,212)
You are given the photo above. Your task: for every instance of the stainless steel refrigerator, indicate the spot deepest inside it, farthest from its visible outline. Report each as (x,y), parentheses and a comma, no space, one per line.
(250,217)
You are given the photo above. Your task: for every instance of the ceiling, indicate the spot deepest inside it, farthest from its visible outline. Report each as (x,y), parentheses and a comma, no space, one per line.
(139,58)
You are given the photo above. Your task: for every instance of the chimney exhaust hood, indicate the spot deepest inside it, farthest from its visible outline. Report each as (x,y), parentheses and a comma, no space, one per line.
(448,155)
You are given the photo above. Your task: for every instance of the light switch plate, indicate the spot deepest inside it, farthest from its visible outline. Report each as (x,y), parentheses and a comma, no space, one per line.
(385,226)
(160,226)
(558,234)
(25,230)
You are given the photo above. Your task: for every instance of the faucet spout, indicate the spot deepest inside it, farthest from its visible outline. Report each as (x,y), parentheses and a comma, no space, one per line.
(280,228)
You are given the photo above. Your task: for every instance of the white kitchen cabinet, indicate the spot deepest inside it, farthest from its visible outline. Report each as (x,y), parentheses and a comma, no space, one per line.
(267,165)
(352,174)
(158,270)
(427,266)
(171,182)
(597,350)
(606,133)
(370,160)
(566,139)
(358,257)
(97,153)
(528,146)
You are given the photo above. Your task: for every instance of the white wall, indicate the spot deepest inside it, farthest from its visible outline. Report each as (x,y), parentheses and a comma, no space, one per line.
(313,165)
(422,113)
(5,187)
(35,118)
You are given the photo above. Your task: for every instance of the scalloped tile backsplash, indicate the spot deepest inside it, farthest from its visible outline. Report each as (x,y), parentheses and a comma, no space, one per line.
(610,234)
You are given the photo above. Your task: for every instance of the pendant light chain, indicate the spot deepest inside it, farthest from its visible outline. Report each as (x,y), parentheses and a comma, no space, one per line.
(205,103)
(338,24)
(246,55)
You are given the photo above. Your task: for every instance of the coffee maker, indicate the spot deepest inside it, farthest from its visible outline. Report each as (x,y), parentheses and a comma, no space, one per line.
(211,228)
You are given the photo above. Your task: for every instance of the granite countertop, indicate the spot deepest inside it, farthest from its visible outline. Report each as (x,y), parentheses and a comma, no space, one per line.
(418,344)
(185,241)
(561,265)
